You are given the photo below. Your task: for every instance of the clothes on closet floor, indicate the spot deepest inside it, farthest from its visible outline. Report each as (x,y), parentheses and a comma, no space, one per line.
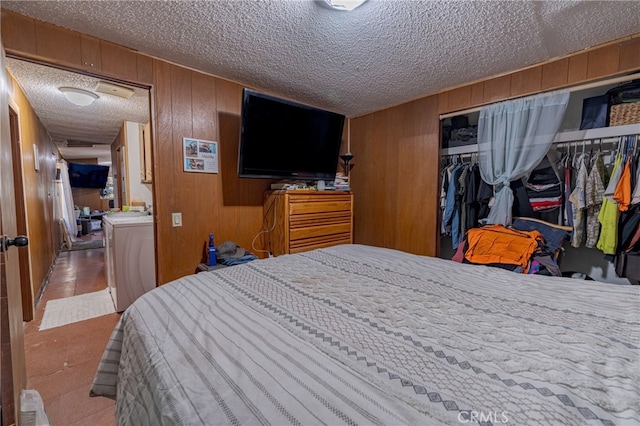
(496,244)
(529,246)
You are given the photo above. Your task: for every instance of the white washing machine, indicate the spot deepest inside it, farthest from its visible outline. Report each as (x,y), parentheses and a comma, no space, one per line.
(129,257)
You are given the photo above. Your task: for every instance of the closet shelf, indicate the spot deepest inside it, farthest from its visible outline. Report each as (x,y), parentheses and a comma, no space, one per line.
(563,137)
(601,133)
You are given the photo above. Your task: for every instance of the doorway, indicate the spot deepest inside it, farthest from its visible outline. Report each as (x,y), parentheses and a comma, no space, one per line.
(88,134)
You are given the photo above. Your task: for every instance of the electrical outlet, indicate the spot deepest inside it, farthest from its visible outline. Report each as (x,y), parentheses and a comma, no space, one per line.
(176,219)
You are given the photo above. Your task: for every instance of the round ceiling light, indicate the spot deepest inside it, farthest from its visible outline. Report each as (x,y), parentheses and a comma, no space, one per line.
(344,4)
(78,97)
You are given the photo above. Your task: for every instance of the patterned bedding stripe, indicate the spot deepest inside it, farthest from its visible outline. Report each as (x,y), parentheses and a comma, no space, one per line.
(363,335)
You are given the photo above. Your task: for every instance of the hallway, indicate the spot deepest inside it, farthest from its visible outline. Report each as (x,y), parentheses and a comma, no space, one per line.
(62,361)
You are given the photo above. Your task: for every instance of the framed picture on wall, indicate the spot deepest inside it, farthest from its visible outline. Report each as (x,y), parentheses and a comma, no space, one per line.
(200,156)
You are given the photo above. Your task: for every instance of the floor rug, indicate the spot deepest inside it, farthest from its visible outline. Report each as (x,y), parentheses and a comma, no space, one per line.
(84,245)
(59,312)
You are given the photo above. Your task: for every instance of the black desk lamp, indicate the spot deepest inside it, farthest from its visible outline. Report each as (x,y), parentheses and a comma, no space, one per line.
(345,159)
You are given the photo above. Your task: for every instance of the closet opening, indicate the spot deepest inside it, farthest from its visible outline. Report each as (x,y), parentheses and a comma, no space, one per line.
(113,132)
(592,133)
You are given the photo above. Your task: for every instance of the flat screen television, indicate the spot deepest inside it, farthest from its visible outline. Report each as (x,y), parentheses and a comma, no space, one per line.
(282,139)
(87,175)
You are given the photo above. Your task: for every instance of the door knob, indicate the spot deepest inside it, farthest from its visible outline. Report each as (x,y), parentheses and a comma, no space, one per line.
(19,241)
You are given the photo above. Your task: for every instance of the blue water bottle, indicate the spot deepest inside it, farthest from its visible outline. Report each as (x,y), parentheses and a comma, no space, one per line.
(212,251)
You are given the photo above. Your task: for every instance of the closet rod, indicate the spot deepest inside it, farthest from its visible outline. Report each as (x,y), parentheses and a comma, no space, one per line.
(571,89)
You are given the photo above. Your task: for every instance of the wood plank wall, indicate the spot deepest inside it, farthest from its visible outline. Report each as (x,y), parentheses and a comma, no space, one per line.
(609,60)
(39,191)
(191,104)
(116,168)
(395,169)
(394,178)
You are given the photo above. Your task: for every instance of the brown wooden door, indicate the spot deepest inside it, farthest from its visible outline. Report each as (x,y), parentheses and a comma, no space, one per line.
(12,362)
(21,216)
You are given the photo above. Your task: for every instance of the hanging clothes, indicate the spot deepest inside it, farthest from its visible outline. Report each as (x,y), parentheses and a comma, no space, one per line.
(460,201)
(594,195)
(568,213)
(485,196)
(634,243)
(451,213)
(627,227)
(635,196)
(608,216)
(578,201)
(447,204)
(622,192)
(544,192)
(444,180)
(471,202)
(615,178)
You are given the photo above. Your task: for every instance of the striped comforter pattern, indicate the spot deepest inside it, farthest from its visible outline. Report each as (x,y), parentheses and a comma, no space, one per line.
(363,335)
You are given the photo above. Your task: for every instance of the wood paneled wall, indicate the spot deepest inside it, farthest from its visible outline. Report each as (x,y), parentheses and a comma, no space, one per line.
(394,178)
(117,146)
(191,104)
(45,42)
(609,60)
(395,170)
(39,190)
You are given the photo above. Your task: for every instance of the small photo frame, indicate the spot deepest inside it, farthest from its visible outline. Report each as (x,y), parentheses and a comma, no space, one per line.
(200,156)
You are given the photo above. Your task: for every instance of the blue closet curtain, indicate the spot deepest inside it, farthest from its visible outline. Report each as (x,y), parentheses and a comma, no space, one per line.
(513,137)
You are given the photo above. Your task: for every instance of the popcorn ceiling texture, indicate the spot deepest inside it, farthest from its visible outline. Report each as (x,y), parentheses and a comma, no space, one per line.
(98,123)
(384,53)
(66,121)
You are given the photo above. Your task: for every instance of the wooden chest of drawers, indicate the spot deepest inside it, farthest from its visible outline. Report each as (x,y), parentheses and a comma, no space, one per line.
(306,220)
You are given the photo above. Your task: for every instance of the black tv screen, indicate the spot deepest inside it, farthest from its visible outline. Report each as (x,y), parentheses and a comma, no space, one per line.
(88,175)
(287,140)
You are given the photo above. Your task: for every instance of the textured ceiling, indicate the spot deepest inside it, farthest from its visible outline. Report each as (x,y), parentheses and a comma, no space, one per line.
(98,123)
(383,53)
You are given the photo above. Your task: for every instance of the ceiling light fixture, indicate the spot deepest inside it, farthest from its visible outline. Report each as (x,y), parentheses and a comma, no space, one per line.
(78,96)
(344,4)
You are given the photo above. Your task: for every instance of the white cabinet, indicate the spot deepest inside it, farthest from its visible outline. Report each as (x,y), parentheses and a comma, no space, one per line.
(129,257)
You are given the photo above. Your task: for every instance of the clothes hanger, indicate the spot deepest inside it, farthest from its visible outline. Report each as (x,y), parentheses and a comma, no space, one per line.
(567,155)
(575,160)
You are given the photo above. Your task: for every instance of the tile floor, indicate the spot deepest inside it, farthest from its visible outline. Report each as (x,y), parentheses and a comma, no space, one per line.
(62,361)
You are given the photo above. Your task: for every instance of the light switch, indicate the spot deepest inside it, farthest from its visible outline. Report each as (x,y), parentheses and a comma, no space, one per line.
(176,219)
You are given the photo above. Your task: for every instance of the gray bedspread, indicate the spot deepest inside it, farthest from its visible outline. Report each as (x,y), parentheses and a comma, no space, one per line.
(363,335)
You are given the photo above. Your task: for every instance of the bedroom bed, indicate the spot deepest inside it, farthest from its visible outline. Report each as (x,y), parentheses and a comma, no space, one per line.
(355,334)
